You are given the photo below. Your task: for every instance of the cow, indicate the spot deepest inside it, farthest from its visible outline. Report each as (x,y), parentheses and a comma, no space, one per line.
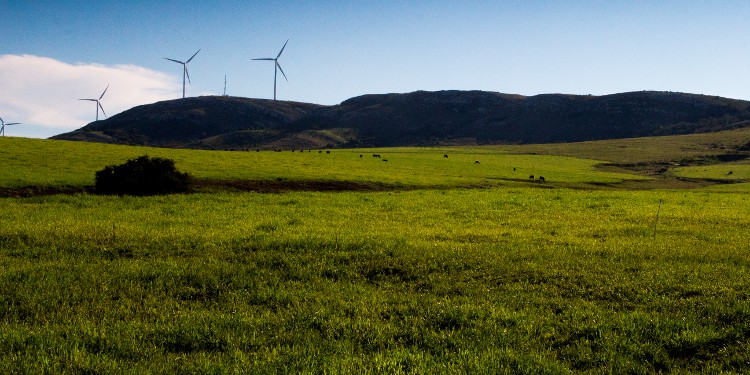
(541,178)
(476,161)
(445,156)
(531,177)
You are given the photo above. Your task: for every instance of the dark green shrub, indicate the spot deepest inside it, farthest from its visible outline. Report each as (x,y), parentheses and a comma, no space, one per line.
(142,176)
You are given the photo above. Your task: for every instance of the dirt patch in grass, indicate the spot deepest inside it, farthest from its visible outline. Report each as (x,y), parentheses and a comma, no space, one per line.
(661,181)
(260,186)
(644,169)
(669,183)
(34,191)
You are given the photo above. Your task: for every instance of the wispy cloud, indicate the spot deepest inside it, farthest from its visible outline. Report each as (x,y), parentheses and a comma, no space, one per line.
(44,92)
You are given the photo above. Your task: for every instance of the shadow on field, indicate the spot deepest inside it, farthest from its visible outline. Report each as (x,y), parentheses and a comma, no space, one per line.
(36,191)
(284,185)
(259,186)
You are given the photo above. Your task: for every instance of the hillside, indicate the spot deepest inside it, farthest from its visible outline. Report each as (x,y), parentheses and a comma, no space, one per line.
(202,122)
(414,119)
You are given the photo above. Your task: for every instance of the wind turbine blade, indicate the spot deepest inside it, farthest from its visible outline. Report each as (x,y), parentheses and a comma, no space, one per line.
(105,91)
(179,62)
(102,108)
(89,100)
(188,75)
(13,123)
(191,57)
(1,120)
(282,49)
(266,59)
(282,71)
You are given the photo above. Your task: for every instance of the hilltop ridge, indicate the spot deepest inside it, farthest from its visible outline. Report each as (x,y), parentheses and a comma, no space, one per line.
(419,118)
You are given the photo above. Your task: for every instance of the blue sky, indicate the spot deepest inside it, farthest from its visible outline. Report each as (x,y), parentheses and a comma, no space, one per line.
(53,53)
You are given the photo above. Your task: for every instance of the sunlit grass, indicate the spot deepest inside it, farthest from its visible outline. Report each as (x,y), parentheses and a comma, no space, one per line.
(723,171)
(490,280)
(514,277)
(644,149)
(32,162)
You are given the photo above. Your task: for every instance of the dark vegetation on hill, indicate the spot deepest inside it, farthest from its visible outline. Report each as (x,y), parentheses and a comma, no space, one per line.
(414,119)
(210,122)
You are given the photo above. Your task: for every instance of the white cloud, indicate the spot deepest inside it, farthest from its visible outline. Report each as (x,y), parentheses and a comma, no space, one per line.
(44,92)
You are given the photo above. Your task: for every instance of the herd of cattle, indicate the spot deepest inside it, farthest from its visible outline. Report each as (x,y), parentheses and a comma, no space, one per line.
(531,177)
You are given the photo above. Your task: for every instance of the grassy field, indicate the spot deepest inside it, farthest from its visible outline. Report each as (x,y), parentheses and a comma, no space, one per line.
(645,149)
(33,162)
(514,277)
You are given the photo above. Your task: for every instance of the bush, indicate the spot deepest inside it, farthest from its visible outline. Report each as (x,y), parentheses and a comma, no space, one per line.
(142,176)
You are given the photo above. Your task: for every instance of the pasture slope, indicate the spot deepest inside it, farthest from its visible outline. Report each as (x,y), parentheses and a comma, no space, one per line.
(419,264)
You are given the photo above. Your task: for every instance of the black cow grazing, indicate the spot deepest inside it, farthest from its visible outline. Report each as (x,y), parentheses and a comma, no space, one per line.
(531,177)
(445,156)
(541,178)
(514,169)
(730,172)
(385,159)
(360,155)
(476,161)
(376,155)
(328,152)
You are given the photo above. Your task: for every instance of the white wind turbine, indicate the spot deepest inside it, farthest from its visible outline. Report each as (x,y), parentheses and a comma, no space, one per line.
(277,67)
(98,103)
(184,71)
(2,128)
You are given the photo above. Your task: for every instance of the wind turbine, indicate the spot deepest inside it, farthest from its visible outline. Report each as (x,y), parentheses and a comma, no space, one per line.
(277,67)
(98,103)
(184,71)
(2,128)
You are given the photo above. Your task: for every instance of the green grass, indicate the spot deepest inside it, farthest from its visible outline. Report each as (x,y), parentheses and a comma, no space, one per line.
(33,162)
(645,149)
(509,278)
(724,171)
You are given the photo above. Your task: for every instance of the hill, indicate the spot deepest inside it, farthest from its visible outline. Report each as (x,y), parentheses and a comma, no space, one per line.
(414,119)
(210,122)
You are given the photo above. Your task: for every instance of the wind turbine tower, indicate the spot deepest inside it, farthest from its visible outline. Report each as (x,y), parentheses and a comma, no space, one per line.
(184,71)
(2,127)
(98,103)
(277,67)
